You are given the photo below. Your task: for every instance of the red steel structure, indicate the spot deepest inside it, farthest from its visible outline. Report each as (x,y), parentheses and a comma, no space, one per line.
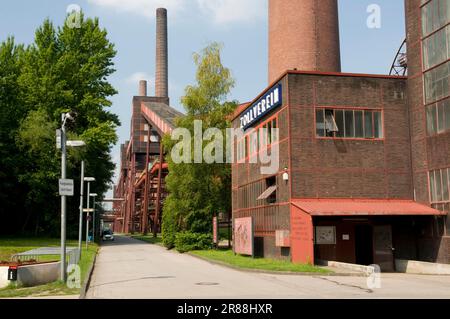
(143,169)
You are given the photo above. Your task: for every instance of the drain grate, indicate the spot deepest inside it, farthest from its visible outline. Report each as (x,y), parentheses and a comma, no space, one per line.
(207,284)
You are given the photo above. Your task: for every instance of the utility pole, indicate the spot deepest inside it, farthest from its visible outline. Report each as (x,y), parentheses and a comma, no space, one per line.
(93,216)
(80,227)
(87,214)
(63,198)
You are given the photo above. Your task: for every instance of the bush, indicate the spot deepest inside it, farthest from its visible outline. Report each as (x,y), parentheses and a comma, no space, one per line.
(169,226)
(188,241)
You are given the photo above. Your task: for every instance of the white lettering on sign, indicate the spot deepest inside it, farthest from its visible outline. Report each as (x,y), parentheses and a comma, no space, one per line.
(268,102)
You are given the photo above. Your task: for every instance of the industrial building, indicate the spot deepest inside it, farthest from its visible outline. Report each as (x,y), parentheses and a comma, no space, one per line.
(143,168)
(364,171)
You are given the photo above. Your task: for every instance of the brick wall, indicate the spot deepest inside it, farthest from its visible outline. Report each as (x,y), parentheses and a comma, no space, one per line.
(349,168)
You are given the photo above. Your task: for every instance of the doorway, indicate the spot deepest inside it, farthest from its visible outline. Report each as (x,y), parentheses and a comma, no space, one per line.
(364,244)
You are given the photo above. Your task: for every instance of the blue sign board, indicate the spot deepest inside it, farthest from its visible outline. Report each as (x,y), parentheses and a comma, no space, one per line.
(266,104)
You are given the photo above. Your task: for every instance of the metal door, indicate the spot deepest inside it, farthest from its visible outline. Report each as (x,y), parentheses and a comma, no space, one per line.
(383,252)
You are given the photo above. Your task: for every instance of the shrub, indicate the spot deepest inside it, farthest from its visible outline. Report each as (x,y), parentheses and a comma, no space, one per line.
(188,241)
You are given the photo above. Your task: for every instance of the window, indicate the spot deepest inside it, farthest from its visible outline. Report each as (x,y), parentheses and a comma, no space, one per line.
(438,117)
(436,48)
(275,131)
(359,124)
(435,15)
(242,146)
(436,83)
(340,122)
(368,124)
(320,123)
(330,123)
(349,123)
(325,235)
(259,138)
(440,186)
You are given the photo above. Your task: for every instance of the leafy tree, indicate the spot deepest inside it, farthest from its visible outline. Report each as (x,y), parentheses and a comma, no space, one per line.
(197,191)
(65,69)
(11,113)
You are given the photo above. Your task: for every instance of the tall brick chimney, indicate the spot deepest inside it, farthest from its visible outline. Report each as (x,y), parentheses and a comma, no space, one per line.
(162,82)
(142,88)
(303,35)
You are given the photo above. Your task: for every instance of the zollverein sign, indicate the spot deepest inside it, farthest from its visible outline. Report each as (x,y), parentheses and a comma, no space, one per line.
(266,104)
(66,187)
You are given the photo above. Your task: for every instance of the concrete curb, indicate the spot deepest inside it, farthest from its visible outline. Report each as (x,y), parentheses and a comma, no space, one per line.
(85,287)
(268,272)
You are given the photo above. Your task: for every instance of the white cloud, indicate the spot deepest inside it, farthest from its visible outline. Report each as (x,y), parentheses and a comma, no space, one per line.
(221,12)
(141,7)
(138,76)
(234,11)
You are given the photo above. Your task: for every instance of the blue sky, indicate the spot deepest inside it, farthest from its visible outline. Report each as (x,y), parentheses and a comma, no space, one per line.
(241,25)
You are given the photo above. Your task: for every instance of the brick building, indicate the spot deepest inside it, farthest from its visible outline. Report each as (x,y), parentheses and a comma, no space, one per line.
(363,175)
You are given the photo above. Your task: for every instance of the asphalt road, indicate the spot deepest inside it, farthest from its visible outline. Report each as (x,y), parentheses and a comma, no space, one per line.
(131,269)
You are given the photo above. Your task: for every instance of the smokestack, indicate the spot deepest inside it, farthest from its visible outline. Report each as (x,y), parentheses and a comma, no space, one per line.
(142,88)
(162,82)
(303,35)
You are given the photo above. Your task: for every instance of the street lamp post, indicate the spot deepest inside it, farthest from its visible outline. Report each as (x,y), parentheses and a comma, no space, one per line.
(88,180)
(80,226)
(63,197)
(93,217)
(64,144)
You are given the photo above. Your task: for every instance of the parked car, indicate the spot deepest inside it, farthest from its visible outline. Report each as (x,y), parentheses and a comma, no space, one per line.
(108,235)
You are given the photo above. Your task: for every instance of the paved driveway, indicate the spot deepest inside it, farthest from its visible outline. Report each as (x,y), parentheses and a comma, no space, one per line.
(128,268)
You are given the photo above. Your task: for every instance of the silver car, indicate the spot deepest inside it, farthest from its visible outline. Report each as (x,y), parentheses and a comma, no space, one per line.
(108,235)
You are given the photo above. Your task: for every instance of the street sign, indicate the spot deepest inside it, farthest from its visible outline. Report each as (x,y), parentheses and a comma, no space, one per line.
(66,187)
(90,210)
(58,139)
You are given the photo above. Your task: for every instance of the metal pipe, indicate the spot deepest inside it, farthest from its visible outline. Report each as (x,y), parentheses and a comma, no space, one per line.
(87,214)
(80,226)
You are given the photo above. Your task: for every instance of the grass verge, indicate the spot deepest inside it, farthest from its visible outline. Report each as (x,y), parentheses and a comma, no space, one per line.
(11,246)
(148,238)
(267,264)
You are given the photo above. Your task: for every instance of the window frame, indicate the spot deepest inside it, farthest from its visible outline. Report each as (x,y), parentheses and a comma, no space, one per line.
(346,110)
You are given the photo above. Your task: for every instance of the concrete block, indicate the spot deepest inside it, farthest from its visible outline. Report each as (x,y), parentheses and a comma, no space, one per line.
(368,270)
(40,274)
(4,277)
(422,268)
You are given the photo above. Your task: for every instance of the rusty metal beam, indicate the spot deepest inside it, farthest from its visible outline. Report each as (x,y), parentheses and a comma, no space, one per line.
(158,193)
(145,211)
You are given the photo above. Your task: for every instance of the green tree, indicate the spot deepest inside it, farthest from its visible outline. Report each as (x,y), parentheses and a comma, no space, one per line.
(197,191)
(11,114)
(65,69)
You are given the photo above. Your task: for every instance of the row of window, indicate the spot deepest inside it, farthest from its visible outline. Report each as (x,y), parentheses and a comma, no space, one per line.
(437,83)
(349,123)
(436,48)
(438,117)
(262,137)
(440,185)
(435,15)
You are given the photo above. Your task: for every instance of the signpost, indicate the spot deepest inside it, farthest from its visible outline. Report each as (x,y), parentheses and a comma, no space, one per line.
(66,187)
(215,231)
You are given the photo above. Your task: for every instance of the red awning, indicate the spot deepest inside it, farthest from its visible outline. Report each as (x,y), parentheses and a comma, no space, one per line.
(364,207)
